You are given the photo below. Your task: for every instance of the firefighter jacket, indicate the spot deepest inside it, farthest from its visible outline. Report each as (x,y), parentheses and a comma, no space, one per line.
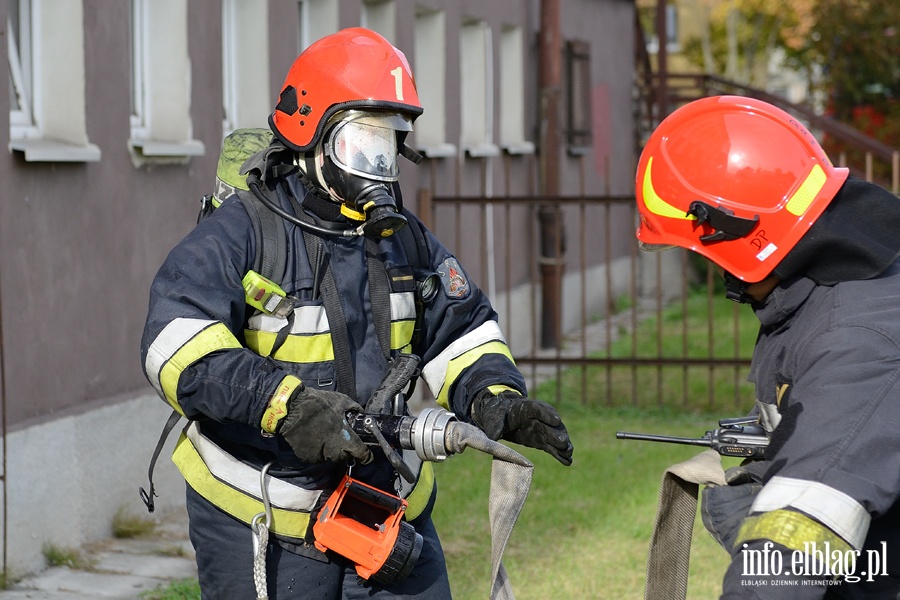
(826,368)
(209,355)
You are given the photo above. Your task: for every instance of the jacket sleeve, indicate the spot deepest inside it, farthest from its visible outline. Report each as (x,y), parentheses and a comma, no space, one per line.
(462,347)
(192,349)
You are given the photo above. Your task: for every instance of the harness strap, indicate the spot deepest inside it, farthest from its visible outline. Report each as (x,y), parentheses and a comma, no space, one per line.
(379,296)
(271,251)
(669,556)
(345,375)
(147,497)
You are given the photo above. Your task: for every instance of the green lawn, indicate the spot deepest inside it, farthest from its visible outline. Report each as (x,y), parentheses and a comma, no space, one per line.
(584,530)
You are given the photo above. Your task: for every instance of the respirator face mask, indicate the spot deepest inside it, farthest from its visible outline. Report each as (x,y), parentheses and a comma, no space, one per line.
(358,166)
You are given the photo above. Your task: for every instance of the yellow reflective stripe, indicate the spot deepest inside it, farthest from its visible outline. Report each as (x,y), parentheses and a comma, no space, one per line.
(794,530)
(655,203)
(459,364)
(296,348)
(401,334)
(807,191)
(208,340)
(277,407)
(420,495)
(497,389)
(231,500)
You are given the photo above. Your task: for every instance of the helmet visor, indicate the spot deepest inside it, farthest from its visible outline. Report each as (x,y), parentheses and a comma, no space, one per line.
(655,247)
(365,149)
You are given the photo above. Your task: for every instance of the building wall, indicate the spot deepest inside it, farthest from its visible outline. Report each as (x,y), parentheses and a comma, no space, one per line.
(81,241)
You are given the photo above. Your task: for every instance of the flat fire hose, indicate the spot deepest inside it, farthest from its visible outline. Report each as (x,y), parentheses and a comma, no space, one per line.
(668,559)
(510,483)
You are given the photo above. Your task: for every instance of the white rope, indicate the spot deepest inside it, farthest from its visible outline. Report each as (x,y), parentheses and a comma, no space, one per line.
(260,543)
(259,529)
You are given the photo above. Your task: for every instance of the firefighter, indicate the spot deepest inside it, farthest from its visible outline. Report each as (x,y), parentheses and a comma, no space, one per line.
(267,388)
(814,252)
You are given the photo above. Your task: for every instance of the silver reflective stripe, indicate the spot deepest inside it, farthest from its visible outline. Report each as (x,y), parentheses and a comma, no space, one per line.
(308,320)
(768,415)
(435,372)
(403,306)
(830,507)
(169,341)
(238,475)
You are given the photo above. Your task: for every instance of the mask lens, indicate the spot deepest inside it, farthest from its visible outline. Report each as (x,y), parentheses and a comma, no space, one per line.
(365,150)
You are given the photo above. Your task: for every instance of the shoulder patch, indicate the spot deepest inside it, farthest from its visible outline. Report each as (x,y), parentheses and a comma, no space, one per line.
(453,278)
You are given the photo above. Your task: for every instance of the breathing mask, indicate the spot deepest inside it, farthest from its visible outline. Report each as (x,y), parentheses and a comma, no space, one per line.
(357,164)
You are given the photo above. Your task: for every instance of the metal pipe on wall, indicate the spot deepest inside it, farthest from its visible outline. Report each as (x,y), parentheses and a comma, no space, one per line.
(550,215)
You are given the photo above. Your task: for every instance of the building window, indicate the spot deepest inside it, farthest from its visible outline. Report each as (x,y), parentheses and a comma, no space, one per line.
(318,18)
(161,129)
(245,57)
(380,16)
(45,45)
(512,92)
(578,96)
(673,43)
(477,88)
(430,70)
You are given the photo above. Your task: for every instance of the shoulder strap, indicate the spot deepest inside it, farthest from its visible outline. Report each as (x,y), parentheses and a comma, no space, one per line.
(413,240)
(271,241)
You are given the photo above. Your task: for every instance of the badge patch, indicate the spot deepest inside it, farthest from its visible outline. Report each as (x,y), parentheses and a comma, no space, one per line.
(453,278)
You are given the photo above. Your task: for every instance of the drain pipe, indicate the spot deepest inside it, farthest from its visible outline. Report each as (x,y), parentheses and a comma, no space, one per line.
(552,236)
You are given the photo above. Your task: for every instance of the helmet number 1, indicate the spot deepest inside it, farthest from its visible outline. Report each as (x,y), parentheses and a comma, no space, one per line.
(398,82)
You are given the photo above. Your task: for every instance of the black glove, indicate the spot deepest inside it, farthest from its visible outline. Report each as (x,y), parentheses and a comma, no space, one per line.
(528,422)
(724,507)
(317,431)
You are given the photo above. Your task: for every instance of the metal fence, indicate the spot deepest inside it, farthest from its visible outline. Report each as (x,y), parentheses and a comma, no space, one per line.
(639,329)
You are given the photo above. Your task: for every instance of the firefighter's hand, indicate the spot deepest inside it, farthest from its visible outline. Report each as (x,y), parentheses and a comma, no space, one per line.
(528,422)
(317,431)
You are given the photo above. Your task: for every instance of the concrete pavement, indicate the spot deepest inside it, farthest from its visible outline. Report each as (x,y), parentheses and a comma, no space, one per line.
(122,569)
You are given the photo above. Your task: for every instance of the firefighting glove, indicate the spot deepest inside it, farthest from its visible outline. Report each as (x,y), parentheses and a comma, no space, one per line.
(531,423)
(317,431)
(723,508)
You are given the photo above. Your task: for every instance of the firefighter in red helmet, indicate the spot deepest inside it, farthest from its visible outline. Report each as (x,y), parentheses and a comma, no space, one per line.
(814,252)
(267,336)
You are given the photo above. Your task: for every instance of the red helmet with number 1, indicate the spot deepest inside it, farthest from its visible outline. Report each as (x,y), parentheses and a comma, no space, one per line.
(734,179)
(354,68)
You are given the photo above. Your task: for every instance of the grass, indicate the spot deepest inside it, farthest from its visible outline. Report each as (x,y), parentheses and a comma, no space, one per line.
(125,525)
(58,556)
(697,329)
(185,589)
(585,529)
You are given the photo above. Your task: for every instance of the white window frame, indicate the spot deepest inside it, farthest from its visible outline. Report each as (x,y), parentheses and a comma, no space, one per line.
(245,57)
(49,55)
(161,127)
(512,92)
(476,88)
(318,18)
(430,69)
(380,16)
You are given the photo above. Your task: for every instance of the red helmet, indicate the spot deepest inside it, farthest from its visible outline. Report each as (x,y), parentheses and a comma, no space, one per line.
(734,179)
(352,69)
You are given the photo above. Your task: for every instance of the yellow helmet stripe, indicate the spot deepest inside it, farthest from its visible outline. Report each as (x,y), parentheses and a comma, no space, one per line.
(655,203)
(807,191)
